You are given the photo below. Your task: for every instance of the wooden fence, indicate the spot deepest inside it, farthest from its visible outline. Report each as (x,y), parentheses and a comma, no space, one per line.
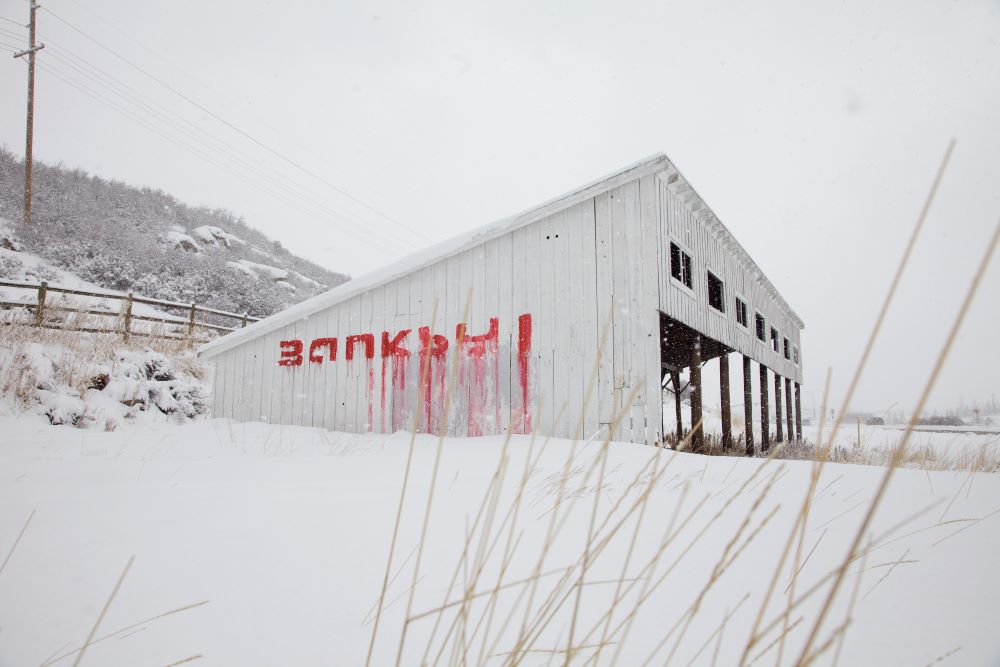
(126,317)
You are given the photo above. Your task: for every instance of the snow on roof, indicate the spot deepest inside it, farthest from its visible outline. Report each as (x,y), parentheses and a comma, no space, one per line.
(453,246)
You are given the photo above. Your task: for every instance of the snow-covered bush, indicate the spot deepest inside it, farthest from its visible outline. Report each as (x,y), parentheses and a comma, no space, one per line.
(88,380)
(10,267)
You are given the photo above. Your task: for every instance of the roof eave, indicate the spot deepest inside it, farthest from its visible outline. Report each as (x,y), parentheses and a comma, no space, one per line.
(433,254)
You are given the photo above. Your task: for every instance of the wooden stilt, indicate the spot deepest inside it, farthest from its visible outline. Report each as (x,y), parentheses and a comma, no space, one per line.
(788,410)
(798,411)
(765,430)
(747,407)
(727,426)
(697,432)
(779,427)
(676,378)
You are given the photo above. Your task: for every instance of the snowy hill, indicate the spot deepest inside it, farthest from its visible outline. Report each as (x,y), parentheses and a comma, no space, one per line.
(125,238)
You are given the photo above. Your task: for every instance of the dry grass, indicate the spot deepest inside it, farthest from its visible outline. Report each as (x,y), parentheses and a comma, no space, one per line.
(491,614)
(923,456)
(984,458)
(540,614)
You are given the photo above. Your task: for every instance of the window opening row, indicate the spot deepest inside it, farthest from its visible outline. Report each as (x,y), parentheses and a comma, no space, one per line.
(680,270)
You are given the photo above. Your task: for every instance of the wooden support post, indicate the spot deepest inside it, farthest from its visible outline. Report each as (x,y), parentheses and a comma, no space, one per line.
(128,317)
(788,410)
(675,376)
(765,418)
(244,320)
(798,411)
(779,428)
(727,425)
(40,308)
(191,324)
(747,407)
(697,432)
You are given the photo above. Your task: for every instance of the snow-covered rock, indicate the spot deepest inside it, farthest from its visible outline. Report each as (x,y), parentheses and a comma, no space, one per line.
(8,241)
(212,235)
(237,266)
(180,241)
(309,282)
(265,270)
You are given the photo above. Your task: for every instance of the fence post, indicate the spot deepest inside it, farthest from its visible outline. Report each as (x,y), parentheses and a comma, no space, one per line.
(39,309)
(191,325)
(244,320)
(128,317)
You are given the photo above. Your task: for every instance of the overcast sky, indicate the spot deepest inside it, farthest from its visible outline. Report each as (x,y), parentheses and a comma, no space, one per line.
(813,130)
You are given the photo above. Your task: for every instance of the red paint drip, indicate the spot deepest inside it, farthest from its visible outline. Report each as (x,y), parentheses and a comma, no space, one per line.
(433,351)
(476,347)
(400,355)
(383,396)
(523,421)
(371,394)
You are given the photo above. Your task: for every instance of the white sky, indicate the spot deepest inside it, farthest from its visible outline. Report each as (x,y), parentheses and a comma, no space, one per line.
(813,130)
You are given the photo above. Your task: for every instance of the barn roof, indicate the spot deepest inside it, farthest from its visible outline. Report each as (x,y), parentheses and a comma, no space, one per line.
(453,246)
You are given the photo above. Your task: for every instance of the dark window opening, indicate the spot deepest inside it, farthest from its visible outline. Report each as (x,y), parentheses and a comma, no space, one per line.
(741,312)
(759,322)
(787,353)
(715,293)
(680,265)
(774,339)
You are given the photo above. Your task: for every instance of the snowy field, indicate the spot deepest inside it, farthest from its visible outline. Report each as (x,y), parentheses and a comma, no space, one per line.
(282,533)
(969,447)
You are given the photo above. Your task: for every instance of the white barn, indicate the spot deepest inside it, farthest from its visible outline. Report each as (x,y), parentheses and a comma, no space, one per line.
(637,250)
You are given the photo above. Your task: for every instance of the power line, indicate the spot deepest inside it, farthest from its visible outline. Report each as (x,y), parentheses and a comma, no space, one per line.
(262,184)
(292,203)
(10,33)
(136,41)
(204,139)
(236,129)
(17,23)
(211,146)
(139,43)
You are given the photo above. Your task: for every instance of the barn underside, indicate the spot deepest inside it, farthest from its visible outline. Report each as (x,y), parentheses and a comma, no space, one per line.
(683,348)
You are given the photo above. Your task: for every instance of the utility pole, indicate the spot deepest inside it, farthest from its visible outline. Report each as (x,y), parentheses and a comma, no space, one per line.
(32,49)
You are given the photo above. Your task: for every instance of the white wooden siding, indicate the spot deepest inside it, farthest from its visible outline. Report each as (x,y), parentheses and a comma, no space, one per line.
(600,261)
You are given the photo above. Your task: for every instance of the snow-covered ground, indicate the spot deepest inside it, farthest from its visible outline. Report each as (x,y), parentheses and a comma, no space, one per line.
(266,545)
(940,447)
(280,536)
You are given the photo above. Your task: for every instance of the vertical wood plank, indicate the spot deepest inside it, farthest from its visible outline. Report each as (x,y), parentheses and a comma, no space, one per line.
(605,308)
(508,326)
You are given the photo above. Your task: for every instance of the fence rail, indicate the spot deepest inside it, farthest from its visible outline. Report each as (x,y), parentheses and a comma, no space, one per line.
(191,310)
